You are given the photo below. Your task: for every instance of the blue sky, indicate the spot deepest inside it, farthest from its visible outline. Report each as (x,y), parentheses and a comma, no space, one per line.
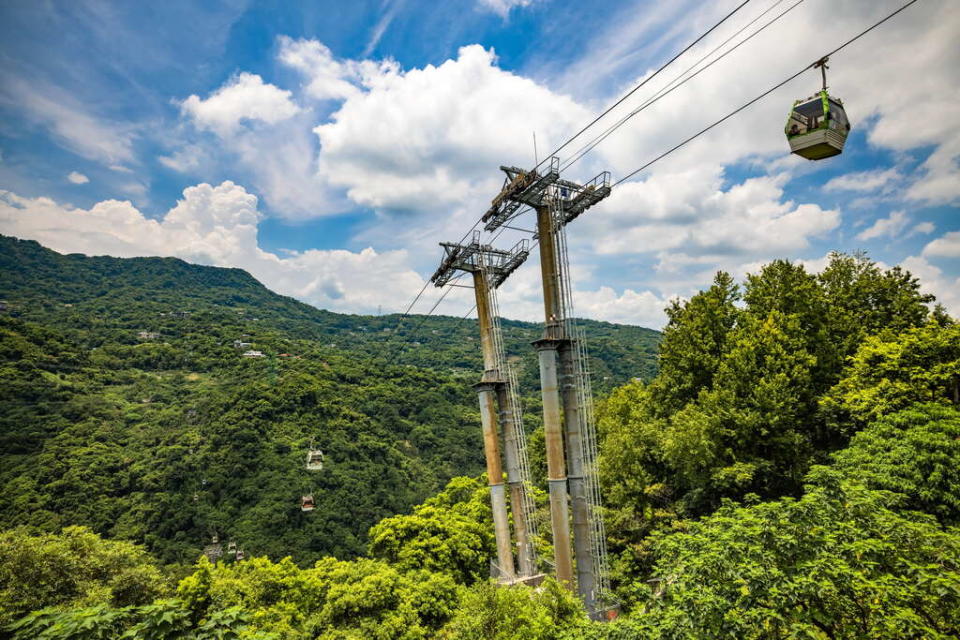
(327,147)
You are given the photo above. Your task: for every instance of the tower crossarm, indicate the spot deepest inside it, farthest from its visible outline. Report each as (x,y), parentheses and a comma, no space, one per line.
(468,258)
(575,199)
(511,262)
(520,188)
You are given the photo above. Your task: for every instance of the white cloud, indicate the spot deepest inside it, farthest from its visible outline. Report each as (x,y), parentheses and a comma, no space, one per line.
(946,246)
(426,139)
(503,7)
(184,159)
(923,227)
(328,78)
(216,225)
(887,227)
(933,280)
(69,121)
(679,215)
(940,182)
(244,98)
(77,178)
(863,181)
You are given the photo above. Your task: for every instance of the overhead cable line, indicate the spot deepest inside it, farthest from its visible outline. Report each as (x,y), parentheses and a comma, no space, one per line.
(762,95)
(671,86)
(423,318)
(644,82)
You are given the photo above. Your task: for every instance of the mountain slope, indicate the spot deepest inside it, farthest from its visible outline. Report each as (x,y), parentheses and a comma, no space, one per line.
(128,406)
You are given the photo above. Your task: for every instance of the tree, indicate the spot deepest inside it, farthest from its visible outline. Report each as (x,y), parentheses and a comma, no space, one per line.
(693,344)
(74,568)
(915,453)
(862,299)
(491,612)
(837,563)
(450,533)
(891,371)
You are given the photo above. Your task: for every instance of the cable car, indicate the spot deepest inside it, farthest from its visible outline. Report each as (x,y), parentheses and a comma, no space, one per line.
(314,460)
(306,503)
(232,548)
(240,554)
(817,127)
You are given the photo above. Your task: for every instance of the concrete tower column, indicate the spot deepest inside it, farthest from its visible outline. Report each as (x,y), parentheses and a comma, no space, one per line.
(487,390)
(549,388)
(576,478)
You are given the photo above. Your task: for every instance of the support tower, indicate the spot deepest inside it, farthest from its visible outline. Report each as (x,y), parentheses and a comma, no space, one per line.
(569,427)
(499,403)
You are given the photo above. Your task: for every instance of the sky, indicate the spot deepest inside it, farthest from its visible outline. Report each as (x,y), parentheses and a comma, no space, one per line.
(328,147)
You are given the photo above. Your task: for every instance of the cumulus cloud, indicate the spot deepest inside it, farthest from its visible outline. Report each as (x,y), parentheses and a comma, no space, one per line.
(933,280)
(424,139)
(244,98)
(688,215)
(946,246)
(863,180)
(77,178)
(888,227)
(215,225)
(327,78)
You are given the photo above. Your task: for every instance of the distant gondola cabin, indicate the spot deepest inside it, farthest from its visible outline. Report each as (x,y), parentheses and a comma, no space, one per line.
(306,503)
(314,460)
(817,127)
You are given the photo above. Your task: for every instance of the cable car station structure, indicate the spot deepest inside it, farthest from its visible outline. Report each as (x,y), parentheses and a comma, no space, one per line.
(569,427)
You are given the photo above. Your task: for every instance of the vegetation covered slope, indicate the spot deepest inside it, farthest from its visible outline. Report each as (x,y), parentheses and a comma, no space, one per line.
(792,472)
(102,299)
(128,406)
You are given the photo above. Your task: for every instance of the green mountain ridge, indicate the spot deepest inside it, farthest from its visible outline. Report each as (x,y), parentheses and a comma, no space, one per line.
(130,408)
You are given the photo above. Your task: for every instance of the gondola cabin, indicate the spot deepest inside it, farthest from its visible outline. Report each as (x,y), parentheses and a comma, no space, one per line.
(306,503)
(314,460)
(817,127)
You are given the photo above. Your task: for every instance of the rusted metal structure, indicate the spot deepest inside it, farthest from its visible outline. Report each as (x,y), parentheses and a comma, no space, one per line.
(499,403)
(569,428)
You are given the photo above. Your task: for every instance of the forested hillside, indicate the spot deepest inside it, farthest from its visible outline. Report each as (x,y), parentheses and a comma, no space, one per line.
(792,471)
(129,407)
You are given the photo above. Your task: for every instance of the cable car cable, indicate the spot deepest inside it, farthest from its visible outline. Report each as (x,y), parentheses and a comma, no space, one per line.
(762,95)
(668,89)
(423,317)
(643,83)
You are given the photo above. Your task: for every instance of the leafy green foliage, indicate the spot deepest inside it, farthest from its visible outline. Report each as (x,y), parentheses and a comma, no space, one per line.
(444,534)
(694,342)
(837,563)
(162,620)
(893,370)
(334,599)
(518,612)
(167,439)
(915,453)
(120,382)
(75,568)
(735,408)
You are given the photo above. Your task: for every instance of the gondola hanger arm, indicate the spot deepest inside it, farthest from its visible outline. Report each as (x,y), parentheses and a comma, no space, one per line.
(822,65)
